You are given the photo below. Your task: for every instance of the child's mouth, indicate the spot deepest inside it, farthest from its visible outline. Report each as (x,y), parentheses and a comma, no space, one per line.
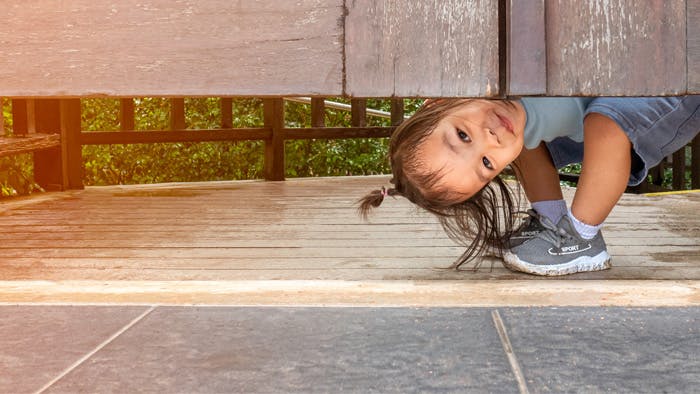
(505,122)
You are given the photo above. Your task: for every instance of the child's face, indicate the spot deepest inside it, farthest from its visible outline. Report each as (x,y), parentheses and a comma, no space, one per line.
(473,144)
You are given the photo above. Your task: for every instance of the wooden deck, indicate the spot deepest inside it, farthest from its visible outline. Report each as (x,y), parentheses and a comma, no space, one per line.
(301,242)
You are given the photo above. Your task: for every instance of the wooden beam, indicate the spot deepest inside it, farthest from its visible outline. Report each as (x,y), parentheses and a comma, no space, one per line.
(274,146)
(151,137)
(171,48)
(337,132)
(431,48)
(616,47)
(526,48)
(693,24)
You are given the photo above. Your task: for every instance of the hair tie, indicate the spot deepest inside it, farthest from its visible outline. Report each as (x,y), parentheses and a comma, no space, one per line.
(384,192)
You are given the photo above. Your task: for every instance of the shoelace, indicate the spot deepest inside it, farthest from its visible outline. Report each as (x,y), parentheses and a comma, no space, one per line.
(531,214)
(552,234)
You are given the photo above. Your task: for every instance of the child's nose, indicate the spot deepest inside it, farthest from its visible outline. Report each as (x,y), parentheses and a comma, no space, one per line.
(491,136)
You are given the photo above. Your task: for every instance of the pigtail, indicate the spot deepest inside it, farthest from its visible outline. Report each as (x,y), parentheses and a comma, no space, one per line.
(373,199)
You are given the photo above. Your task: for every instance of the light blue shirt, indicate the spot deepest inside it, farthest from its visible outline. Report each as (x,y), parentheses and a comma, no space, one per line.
(552,117)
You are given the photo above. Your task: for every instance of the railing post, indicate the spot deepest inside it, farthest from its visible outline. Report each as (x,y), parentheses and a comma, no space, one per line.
(22,117)
(177,114)
(678,182)
(359,112)
(126,114)
(48,164)
(71,144)
(226,113)
(274,146)
(695,163)
(318,112)
(397,111)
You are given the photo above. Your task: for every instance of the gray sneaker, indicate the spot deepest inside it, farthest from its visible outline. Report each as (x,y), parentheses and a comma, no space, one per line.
(528,230)
(559,250)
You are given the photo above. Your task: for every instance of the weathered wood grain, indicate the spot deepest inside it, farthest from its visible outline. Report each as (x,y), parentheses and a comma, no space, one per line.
(693,23)
(170,48)
(422,48)
(526,59)
(300,229)
(30,143)
(616,47)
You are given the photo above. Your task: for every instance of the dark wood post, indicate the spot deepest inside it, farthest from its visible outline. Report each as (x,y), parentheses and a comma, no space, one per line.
(177,114)
(71,144)
(678,182)
(397,111)
(359,112)
(274,146)
(126,114)
(318,112)
(22,117)
(48,165)
(695,163)
(226,112)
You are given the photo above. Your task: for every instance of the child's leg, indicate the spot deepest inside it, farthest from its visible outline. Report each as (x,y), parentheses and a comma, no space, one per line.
(605,171)
(540,180)
(537,175)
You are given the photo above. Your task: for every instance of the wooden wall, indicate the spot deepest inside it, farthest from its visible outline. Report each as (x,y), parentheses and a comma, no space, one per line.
(360,48)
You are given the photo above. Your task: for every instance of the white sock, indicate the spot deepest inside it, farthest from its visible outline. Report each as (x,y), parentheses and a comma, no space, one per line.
(586,231)
(553,210)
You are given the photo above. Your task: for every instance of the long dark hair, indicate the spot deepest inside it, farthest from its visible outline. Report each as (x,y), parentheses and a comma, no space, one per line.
(481,222)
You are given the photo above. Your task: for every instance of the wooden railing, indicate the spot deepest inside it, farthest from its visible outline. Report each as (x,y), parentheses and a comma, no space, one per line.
(51,128)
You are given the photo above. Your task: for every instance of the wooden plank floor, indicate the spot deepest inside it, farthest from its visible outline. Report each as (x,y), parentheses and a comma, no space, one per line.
(212,242)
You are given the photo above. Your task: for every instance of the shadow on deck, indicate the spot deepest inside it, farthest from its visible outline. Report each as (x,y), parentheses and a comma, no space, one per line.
(301,242)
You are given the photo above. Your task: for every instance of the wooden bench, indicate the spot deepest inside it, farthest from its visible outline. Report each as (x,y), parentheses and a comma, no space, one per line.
(53,54)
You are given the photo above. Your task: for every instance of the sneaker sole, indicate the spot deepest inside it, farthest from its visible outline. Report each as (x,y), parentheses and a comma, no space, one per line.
(599,262)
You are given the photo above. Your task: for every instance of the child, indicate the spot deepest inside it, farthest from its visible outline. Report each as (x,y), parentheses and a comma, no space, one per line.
(447,156)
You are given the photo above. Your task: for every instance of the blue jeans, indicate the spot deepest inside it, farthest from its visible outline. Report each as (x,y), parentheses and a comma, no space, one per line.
(656,126)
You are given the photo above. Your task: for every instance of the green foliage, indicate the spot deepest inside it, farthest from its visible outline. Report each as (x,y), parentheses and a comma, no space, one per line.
(185,162)
(16,172)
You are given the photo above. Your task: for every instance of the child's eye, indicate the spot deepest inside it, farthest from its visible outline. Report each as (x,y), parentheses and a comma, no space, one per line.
(463,136)
(487,163)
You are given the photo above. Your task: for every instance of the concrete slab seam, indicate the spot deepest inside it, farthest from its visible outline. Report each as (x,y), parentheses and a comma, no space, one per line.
(97,349)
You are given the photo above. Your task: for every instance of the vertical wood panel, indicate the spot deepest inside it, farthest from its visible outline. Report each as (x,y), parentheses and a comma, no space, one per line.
(71,146)
(616,47)
(693,18)
(131,48)
(274,148)
(526,66)
(437,48)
